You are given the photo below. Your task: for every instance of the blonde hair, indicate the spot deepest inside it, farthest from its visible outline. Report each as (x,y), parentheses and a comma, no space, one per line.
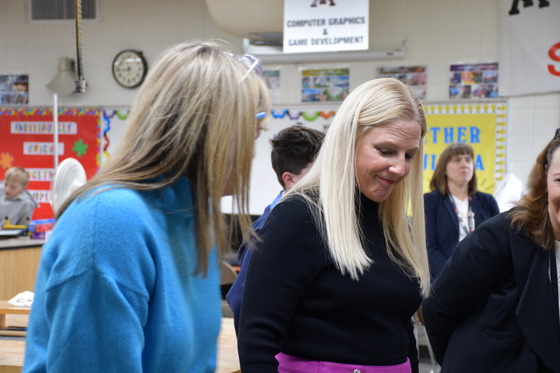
(193,116)
(17,174)
(374,103)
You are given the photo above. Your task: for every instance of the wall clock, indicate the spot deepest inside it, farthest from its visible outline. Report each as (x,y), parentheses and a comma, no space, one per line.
(129,68)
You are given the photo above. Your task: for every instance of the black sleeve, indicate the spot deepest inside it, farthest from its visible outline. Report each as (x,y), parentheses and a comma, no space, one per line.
(282,267)
(412,349)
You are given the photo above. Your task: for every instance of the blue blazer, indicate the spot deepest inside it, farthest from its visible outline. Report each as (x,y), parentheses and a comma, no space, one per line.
(492,307)
(442,224)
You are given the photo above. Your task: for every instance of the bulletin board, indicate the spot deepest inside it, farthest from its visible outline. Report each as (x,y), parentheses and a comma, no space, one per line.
(481,125)
(28,141)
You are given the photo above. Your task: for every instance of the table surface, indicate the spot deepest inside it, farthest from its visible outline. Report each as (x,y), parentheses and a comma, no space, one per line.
(20,242)
(12,350)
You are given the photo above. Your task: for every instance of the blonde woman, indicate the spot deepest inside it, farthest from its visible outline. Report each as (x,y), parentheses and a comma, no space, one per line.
(129,280)
(341,269)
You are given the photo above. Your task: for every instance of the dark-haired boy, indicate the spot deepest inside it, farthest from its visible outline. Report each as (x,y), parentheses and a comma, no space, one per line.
(294,150)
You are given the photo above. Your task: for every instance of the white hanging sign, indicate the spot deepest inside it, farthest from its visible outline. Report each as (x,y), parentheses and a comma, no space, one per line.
(529,47)
(325,25)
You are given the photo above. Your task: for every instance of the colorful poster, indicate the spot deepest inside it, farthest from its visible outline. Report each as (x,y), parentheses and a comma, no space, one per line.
(481,125)
(529,47)
(416,77)
(31,145)
(14,89)
(326,85)
(325,25)
(473,81)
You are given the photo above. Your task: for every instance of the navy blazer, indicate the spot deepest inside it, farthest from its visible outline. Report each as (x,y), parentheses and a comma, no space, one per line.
(442,224)
(492,309)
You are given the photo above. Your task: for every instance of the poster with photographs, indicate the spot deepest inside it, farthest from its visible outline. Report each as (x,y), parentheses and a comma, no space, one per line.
(272,80)
(416,77)
(14,89)
(473,81)
(325,85)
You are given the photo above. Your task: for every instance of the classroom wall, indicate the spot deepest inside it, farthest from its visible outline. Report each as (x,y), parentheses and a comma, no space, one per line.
(437,33)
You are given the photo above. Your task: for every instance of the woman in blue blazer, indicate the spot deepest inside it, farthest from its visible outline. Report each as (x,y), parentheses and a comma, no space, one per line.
(455,206)
(494,306)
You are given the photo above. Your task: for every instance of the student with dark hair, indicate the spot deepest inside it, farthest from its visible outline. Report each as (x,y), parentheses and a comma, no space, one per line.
(293,152)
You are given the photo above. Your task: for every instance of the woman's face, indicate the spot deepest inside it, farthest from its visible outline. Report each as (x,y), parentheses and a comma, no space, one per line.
(553,189)
(459,170)
(384,157)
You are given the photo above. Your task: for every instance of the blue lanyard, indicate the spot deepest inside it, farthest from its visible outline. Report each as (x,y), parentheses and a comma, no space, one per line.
(469,225)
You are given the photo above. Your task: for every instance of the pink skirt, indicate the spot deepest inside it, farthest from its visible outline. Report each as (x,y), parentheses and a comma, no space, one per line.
(293,364)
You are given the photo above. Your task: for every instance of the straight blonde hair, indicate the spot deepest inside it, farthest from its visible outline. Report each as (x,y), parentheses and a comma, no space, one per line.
(194,116)
(333,176)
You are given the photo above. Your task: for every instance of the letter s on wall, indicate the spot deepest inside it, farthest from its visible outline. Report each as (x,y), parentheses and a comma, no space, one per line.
(555,56)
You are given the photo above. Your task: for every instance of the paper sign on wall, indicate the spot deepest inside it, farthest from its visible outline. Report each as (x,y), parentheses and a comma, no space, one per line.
(529,47)
(325,25)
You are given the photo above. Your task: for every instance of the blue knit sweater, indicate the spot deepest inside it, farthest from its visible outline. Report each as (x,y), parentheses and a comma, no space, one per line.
(116,289)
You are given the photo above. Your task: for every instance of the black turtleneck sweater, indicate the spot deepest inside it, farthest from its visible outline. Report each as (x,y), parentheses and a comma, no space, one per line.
(297,302)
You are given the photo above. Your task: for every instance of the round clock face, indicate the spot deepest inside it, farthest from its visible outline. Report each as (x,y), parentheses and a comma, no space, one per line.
(129,68)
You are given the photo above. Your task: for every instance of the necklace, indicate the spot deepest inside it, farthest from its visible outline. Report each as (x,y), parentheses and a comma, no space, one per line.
(467,226)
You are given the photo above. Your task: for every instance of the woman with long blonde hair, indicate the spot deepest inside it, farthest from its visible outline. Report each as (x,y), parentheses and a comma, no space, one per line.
(341,268)
(129,280)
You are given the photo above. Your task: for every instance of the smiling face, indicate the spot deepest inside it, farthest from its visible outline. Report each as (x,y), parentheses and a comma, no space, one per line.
(384,157)
(459,170)
(553,189)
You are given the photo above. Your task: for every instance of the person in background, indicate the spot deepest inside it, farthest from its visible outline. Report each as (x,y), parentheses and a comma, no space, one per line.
(454,207)
(494,306)
(129,279)
(16,203)
(341,268)
(293,152)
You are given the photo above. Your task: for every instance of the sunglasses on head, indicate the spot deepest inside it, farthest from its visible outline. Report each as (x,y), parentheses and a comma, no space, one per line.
(253,64)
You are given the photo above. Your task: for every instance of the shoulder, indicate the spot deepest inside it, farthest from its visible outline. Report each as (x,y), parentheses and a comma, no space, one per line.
(295,205)
(292,215)
(112,203)
(432,197)
(484,196)
(113,232)
(28,199)
(488,203)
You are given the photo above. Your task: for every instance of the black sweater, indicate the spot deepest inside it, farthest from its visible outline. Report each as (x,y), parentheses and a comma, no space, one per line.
(297,302)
